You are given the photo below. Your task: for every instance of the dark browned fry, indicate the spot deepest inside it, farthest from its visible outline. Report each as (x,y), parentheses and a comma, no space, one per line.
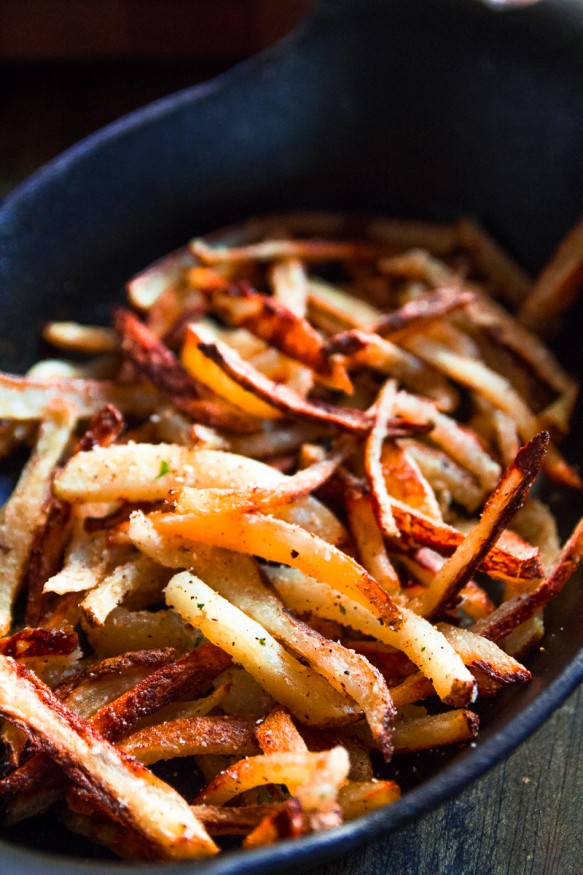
(282,397)
(286,821)
(523,606)
(187,677)
(506,499)
(271,321)
(156,362)
(420,312)
(39,642)
(46,555)
(103,429)
(117,782)
(418,530)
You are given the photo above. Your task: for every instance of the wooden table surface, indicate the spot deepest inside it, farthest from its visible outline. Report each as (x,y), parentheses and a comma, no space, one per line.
(524,817)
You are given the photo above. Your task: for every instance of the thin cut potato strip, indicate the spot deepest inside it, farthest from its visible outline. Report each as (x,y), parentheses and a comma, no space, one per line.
(279,541)
(147,473)
(253,647)
(422,643)
(25,510)
(189,736)
(557,286)
(421,733)
(237,579)
(372,459)
(500,507)
(304,774)
(280,396)
(278,733)
(23,399)
(131,793)
(90,339)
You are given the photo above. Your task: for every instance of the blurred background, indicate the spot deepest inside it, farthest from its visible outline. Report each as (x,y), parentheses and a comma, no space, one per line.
(67,67)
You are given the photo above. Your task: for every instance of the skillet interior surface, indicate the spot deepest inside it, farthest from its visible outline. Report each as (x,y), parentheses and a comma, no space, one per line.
(421,108)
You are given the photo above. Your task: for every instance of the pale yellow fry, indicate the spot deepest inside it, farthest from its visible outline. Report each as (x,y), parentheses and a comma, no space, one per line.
(74,337)
(357,798)
(237,579)
(85,562)
(417,638)
(146,472)
(306,775)
(300,689)
(21,398)
(23,511)
(290,285)
(214,377)
(121,582)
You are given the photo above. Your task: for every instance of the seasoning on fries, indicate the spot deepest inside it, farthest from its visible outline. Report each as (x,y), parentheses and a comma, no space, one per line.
(266,527)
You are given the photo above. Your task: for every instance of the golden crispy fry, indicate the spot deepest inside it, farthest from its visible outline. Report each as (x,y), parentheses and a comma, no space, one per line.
(357,798)
(279,541)
(369,539)
(372,459)
(313,778)
(131,793)
(422,733)
(189,736)
(278,733)
(290,285)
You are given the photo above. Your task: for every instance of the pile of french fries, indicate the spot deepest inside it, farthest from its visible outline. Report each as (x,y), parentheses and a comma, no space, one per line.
(276,523)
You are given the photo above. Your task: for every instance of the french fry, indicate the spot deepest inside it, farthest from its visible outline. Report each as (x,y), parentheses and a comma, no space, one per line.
(131,793)
(158,364)
(279,396)
(372,459)
(421,642)
(25,510)
(357,798)
(290,285)
(557,286)
(313,778)
(279,541)
(369,539)
(25,399)
(278,733)
(91,339)
(347,672)
(254,648)
(424,733)
(189,736)
(506,498)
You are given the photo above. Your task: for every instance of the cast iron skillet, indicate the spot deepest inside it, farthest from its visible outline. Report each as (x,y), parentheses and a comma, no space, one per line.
(427,108)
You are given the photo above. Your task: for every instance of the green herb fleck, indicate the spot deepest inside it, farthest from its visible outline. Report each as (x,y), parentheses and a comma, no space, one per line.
(342,609)
(164,469)
(200,605)
(261,641)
